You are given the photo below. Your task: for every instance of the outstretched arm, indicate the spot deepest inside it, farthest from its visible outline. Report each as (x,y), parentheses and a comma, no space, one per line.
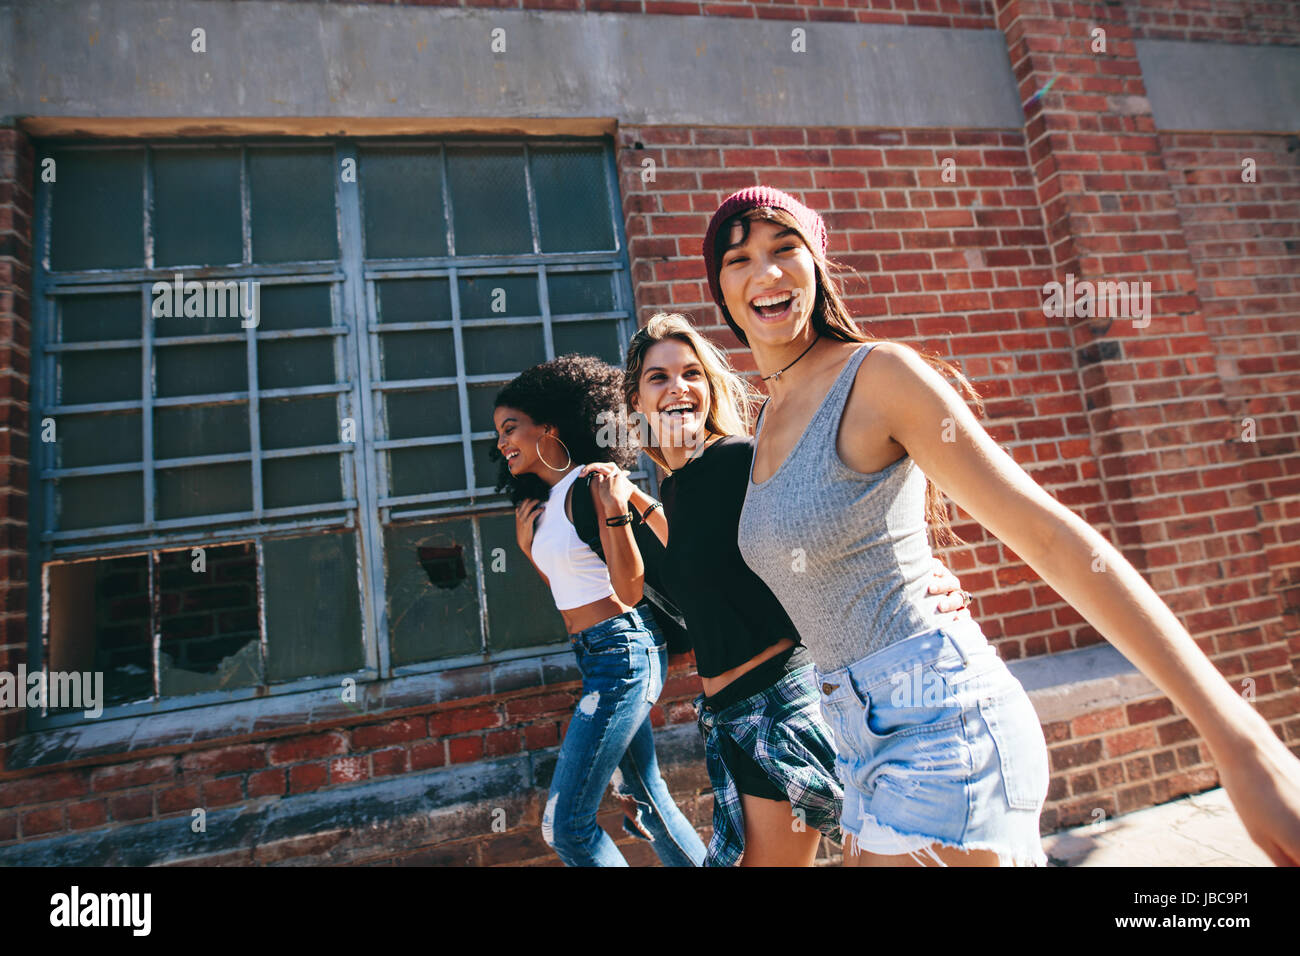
(1261,776)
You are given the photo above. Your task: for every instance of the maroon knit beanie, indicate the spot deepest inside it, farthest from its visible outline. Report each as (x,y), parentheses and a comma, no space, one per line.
(752,198)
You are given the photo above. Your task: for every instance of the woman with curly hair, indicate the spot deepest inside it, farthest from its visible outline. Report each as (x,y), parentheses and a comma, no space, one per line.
(547,421)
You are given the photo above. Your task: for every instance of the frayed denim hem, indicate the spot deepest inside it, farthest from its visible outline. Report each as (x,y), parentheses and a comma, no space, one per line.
(1006,857)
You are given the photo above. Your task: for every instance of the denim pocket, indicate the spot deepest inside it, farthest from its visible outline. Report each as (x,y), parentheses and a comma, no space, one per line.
(915,700)
(653,685)
(1022,750)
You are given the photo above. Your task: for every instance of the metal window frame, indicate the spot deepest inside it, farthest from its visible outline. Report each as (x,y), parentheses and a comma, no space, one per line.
(355,336)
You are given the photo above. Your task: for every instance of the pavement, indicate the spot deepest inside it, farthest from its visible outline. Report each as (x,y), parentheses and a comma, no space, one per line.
(1198,830)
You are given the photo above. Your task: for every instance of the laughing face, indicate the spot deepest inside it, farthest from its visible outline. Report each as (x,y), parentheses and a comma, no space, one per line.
(673,394)
(518,440)
(768,283)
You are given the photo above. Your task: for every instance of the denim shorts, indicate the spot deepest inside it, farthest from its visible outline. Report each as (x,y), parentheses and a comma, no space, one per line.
(938,743)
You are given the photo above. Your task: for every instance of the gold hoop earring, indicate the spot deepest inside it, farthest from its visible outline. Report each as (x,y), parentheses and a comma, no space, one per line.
(538,446)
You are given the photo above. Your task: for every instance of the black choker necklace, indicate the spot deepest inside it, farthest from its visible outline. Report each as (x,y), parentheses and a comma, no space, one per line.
(776,375)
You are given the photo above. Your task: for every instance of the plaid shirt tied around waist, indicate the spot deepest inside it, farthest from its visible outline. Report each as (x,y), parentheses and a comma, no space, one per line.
(783,730)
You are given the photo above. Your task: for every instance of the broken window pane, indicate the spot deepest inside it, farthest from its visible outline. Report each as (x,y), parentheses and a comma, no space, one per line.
(313,608)
(99,622)
(432,586)
(209,637)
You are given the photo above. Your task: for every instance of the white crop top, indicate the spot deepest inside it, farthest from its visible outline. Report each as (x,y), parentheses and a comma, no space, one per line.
(576,573)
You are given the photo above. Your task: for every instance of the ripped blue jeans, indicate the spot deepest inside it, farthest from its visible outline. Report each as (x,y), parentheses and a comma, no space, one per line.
(623,661)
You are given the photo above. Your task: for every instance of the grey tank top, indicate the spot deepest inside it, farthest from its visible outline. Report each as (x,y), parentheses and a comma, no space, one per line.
(846,553)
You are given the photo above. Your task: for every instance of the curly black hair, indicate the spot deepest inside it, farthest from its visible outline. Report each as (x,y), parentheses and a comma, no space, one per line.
(583,398)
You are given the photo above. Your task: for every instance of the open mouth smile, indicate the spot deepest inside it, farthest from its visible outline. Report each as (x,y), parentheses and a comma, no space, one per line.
(774,306)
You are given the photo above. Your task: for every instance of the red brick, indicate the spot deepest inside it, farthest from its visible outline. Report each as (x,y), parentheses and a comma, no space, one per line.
(131,806)
(178,799)
(427,755)
(387,762)
(465,749)
(349,769)
(307,776)
(124,776)
(222,792)
(48,820)
(91,813)
(394,731)
(226,759)
(308,748)
(267,783)
(465,719)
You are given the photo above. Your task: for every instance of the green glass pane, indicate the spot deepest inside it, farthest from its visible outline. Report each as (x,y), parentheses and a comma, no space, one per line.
(414,300)
(505,349)
(99,622)
(203,490)
(310,480)
(482,403)
(410,355)
(207,307)
(195,217)
(425,470)
(300,422)
(520,609)
(97,216)
(209,635)
(485,469)
(290,363)
(576,293)
(573,210)
(489,201)
(201,369)
(99,501)
(432,588)
(87,440)
(293,204)
(601,339)
(401,198)
(313,608)
(95,318)
(104,376)
(422,414)
(187,432)
(497,297)
(297,306)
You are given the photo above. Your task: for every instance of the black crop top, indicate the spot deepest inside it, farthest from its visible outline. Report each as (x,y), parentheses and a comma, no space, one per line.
(730,613)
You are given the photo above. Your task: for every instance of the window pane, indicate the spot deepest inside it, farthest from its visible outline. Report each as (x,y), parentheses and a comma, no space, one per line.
(300,422)
(572,198)
(203,490)
(305,306)
(401,195)
(201,369)
(425,470)
(432,587)
(409,355)
(97,216)
(95,318)
(200,430)
(99,621)
(86,440)
(507,349)
(320,635)
(287,482)
(482,403)
(521,611)
(290,363)
(99,501)
(576,293)
(106,376)
(422,414)
(601,339)
(293,204)
(209,637)
(485,469)
(495,297)
(414,300)
(210,307)
(489,201)
(196,207)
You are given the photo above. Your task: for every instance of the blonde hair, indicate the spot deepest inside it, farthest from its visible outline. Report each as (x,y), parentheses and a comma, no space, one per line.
(731,398)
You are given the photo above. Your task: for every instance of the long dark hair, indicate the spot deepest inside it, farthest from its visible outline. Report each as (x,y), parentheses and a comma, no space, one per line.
(583,398)
(831,318)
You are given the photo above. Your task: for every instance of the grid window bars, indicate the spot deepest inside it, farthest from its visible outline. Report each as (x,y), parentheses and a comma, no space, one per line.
(264,376)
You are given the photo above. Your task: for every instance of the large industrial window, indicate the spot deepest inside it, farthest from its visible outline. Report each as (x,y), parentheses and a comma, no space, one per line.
(263,383)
